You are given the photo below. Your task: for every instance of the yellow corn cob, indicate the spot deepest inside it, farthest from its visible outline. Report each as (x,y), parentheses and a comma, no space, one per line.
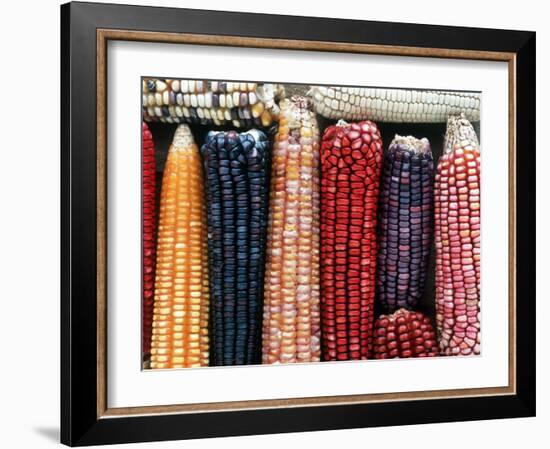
(180,316)
(291,330)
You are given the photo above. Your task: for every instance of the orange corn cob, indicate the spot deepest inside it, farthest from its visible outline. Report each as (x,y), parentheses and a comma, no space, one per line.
(291,329)
(180,318)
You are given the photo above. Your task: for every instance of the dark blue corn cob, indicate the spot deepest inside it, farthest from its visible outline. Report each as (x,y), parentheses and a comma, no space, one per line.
(406,222)
(237,180)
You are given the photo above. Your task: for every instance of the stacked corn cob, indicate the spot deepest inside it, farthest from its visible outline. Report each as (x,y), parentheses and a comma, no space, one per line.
(404,334)
(351,160)
(148,192)
(457,238)
(406,214)
(291,329)
(236,170)
(210,102)
(393,105)
(180,321)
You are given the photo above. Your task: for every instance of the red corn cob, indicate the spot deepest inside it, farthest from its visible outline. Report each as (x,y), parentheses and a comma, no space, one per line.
(149,228)
(404,334)
(351,161)
(457,240)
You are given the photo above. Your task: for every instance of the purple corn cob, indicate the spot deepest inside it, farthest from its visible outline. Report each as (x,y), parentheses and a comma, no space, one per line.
(406,222)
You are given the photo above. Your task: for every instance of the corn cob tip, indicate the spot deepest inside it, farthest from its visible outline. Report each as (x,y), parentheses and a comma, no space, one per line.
(300,102)
(459,129)
(296,111)
(270,94)
(256,134)
(417,146)
(183,136)
(404,334)
(342,123)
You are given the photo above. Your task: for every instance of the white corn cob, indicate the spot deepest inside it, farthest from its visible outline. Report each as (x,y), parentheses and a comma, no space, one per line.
(393,105)
(243,105)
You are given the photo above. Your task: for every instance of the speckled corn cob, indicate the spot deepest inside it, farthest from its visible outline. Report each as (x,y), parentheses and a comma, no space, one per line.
(148,192)
(180,322)
(291,326)
(393,105)
(457,240)
(236,170)
(406,215)
(242,105)
(404,334)
(351,160)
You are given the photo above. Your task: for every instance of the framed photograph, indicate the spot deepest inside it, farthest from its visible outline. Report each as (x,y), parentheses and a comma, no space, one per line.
(279,224)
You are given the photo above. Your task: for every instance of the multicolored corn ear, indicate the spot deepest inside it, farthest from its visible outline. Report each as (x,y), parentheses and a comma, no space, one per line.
(148,193)
(393,105)
(242,105)
(291,321)
(457,240)
(180,319)
(237,183)
(406,222)
(404,334)
(351,161)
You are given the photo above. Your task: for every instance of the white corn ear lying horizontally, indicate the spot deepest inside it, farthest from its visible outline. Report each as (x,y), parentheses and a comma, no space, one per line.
(393,105)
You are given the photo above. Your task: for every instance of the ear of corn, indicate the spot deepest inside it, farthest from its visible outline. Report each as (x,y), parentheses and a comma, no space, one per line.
(148,192)
(457,239)
(236,170)
(404,334)
(180,320)
(393,105)
(351,160)
(406,214)
(291,329)
(242,105)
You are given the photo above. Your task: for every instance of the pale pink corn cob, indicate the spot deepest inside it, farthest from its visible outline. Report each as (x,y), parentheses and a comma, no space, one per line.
(457,240)
(292,323)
